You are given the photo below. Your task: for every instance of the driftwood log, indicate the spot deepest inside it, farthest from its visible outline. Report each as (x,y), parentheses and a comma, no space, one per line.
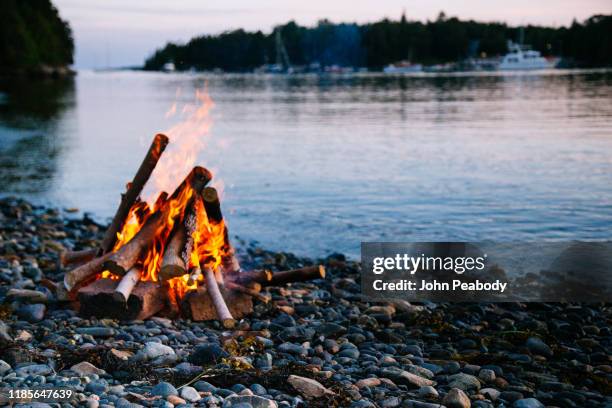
(98,299)
(127,284)
(262,276)
(178,250)
(217,299)
(269,278)
(254,293)
(198,305)
(212,205)
(126,256)
(296,275)
(68,258)
(85,271)
(133,192)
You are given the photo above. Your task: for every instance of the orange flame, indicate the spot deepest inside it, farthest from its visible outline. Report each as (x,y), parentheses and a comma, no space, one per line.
(187,138)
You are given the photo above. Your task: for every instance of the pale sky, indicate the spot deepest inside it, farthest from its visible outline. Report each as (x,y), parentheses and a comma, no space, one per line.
(113,33)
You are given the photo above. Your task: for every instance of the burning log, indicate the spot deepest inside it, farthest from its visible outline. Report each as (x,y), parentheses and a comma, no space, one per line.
(126,285)
(98,299)
(178,251)
(212,205)
(68,258)
(126,256)
(196,273)
(134,189)
(85,271)
(216,297)
(173,264)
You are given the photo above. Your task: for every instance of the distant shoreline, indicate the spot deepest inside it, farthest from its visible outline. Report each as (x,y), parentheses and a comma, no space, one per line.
(553,71)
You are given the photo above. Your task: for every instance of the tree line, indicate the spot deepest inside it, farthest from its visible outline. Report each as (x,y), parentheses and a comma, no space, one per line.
(377,44)
(32,35)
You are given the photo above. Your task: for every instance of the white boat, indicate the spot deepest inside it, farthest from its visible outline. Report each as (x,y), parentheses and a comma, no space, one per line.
(402,67)
(169,67)
(521,57)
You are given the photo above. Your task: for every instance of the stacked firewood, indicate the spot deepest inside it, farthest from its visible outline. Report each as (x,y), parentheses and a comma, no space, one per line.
(115,280)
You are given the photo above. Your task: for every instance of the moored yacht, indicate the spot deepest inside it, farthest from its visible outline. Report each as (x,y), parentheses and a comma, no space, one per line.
(522,57)
(402,68)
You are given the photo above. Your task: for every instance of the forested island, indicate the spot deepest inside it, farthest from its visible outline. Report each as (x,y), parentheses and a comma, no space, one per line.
(34,39)
(374,45)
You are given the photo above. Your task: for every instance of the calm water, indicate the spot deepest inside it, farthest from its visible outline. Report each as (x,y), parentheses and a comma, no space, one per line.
(317,164)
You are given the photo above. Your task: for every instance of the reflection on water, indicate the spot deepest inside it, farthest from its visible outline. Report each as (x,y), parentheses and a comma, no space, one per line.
(314,164)
(30,142)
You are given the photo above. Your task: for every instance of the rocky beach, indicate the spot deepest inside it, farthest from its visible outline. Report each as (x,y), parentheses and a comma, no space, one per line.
(316,344)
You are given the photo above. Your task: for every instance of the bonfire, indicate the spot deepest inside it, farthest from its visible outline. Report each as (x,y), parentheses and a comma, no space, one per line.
(171,256)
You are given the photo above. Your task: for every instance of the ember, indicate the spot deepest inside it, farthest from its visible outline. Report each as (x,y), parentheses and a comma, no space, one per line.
(172,255)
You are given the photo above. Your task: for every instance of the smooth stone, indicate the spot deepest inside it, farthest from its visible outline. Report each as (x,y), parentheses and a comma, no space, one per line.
(206,354)
(298,334)
(190,394)
(4,334)
(330,329)
(420,371)
(32,313)
(255,401)
(452,367)
(96,331)
(403,377)
(4,367)
(188,369)
(263,362)
(391,402)
(292,348)
(528,403)
(86,368)
(428,392)
(116,389)
(510,396)
(157,353)
(490,393)
(368,382)
(175,400)
(434,368)
(284,320)
(92,403)
(164,389)
(486,375)
(33,369)
(308,387)
(464,382)
(537,346)
(97,387)
(456,398)
(204,386)
(349,353)
(27,296)
(258,389)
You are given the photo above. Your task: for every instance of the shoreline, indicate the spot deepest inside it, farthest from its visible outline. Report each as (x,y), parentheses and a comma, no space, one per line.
(316,344)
